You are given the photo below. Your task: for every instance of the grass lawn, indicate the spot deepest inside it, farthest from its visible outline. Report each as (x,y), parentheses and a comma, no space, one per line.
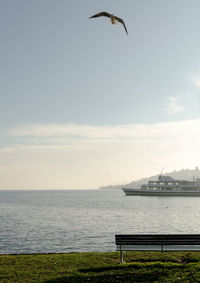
(101,267)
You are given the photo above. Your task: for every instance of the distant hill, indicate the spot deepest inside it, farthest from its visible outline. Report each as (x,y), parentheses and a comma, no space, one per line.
(184,174)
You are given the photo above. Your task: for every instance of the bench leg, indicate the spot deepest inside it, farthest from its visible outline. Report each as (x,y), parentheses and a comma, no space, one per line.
(121,256)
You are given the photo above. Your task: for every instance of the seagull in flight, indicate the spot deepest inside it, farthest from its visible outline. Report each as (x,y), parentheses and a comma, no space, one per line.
(113,19)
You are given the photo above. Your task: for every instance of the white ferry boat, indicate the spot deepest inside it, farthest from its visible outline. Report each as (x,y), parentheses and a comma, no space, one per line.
(166,186)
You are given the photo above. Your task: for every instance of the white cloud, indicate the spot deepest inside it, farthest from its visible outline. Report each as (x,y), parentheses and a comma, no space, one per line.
(195,79)
(85,156)
(74,132)
(173,106)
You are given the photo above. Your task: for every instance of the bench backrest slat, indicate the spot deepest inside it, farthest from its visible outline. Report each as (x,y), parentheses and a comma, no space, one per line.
(158,239)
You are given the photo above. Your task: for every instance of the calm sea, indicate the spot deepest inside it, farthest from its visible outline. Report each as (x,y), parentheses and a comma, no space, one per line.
(76,221)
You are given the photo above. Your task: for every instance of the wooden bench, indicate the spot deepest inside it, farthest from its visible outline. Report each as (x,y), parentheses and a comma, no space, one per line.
(157,242)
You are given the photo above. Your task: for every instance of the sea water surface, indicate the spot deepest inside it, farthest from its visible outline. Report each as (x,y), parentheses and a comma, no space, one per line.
(87,220)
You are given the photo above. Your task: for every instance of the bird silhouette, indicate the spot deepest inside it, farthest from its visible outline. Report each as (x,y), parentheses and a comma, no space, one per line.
(113,19)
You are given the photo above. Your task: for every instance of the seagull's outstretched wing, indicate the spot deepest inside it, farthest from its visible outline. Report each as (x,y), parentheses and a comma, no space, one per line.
(101,14)
(122,22)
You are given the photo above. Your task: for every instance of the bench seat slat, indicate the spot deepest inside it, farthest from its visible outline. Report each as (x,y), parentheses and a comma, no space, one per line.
(159,242)
(158,248)
(139,248)
(181,248)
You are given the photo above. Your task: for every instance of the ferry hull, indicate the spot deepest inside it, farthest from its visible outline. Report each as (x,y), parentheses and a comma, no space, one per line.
(139,192)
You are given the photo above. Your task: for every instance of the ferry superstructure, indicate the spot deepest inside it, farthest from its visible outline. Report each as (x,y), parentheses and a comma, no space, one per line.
(166,186)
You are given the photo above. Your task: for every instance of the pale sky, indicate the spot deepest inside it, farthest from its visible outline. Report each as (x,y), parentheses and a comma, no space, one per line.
(83,105)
